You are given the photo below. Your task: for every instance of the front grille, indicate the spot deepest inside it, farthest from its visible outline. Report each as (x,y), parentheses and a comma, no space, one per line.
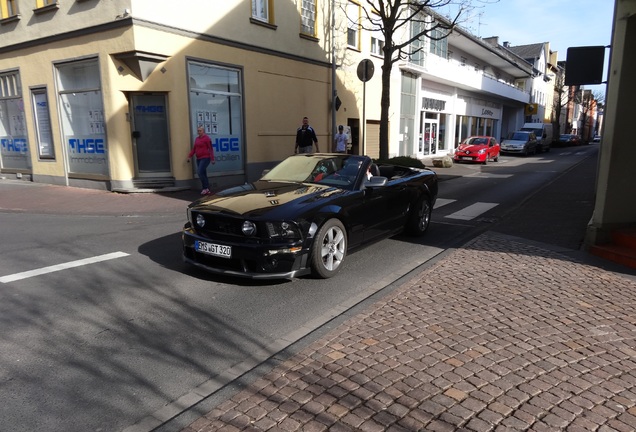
(220,226)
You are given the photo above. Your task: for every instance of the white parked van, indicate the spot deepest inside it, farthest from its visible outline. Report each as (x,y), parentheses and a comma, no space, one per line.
(544,134)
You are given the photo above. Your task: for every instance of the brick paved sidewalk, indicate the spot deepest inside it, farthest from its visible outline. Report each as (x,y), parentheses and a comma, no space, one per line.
(497,335)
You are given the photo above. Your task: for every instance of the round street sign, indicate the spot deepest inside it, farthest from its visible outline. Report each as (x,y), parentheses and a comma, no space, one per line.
(365,70)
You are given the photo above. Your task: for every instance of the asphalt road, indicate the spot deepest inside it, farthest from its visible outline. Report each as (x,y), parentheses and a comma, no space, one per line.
(100,346)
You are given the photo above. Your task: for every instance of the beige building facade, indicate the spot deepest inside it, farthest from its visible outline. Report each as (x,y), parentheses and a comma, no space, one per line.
(109,94)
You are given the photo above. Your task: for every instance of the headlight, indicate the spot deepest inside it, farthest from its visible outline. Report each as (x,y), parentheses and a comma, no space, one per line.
(482,151)
(286,230)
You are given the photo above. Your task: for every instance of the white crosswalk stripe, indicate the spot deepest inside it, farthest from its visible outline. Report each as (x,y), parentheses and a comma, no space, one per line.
(440,202)
(472,211)
(488,175)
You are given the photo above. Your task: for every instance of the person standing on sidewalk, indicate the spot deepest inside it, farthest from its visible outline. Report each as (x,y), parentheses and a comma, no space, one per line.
(340,140)
(306,138)
(204,152)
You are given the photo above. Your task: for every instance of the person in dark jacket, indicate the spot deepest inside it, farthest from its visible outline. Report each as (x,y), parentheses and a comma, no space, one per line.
(306,138)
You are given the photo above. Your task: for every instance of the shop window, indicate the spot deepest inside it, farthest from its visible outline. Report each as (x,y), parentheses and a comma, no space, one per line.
(82,117)
(216,105)
(308,18)
(13,139)
(42,118)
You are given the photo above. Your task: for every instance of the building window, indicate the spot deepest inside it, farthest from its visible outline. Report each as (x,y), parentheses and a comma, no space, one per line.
(308,17)
(439,47)
(9,8)
(353,25)
(377,46)
(416,48)
(43,3)
(261,10)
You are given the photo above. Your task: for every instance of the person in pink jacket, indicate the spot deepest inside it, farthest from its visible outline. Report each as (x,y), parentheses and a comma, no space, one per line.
(204,152)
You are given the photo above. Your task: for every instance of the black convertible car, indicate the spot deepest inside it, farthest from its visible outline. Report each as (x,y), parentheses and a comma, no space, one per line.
(304,216)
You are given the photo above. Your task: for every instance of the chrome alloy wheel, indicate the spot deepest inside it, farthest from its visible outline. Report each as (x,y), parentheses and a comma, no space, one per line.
(333,248)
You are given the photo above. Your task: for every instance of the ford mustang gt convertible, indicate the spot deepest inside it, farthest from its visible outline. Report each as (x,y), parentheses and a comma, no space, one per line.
(304,216)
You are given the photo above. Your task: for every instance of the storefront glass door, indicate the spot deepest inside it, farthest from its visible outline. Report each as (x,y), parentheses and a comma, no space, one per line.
(429,138)
(150,135)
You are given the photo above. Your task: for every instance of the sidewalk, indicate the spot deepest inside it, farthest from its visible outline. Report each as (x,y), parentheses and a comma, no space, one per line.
(517,330)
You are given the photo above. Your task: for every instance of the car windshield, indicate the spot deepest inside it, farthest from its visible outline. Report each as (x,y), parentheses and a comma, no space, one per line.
(520,136)
(476,141)
(333,170)
(566,136)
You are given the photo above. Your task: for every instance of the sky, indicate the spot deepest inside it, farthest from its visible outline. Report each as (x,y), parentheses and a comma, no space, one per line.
(563,23)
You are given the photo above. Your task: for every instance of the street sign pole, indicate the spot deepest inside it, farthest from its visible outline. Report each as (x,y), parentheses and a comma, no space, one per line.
(365,73)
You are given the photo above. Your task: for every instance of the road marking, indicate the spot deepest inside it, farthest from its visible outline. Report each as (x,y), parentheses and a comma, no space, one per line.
(64,266)
(472,211)
(488,175)
(440,202)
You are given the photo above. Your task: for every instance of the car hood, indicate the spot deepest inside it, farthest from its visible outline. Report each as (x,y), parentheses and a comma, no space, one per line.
(267,199)
(514,142)
(471,147)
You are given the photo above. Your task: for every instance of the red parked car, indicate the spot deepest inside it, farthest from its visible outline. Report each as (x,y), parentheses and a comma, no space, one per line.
(479,149)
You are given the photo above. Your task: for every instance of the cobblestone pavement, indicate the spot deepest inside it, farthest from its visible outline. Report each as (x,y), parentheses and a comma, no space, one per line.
(522,338)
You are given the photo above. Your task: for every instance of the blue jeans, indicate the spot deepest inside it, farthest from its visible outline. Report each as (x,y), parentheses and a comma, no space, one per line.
(202,172)
(307,149)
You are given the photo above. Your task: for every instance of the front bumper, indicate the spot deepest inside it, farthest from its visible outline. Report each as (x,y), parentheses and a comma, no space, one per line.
(469,158)
(253,261)
(513,150)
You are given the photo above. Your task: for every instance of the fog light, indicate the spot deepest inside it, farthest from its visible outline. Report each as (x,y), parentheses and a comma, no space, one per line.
(249,228)
(200,221)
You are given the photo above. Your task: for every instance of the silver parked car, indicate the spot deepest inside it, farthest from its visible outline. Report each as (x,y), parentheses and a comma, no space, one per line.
(520,142)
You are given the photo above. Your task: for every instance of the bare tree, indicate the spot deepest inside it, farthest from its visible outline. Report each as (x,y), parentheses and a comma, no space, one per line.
(560,102)
(394,18)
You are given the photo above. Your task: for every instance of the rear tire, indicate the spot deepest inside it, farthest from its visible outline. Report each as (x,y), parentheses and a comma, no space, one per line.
(419,217)
(329,249)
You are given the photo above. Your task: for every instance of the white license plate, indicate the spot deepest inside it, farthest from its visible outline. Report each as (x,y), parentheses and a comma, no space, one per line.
(466,158)
(213,249)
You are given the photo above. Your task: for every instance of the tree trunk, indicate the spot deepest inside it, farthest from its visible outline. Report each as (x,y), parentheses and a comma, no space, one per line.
(385,103)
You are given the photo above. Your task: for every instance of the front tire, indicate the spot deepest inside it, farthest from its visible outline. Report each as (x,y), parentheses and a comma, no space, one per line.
(419,217)
(329,249)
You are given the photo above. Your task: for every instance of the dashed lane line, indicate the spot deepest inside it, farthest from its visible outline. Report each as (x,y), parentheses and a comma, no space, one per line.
(44,270)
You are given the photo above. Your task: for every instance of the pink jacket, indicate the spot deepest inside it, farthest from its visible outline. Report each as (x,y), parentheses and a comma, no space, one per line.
(202,148)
